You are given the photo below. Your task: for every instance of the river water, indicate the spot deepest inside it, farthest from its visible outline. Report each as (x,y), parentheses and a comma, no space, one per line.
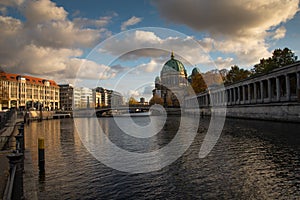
(251,160)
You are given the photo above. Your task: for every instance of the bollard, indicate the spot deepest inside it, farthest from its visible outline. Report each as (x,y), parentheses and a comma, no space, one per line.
(41,154)
(19,143)
(22,131)
(15,190)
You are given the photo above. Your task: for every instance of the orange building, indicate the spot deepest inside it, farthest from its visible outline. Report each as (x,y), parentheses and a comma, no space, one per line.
(24,92)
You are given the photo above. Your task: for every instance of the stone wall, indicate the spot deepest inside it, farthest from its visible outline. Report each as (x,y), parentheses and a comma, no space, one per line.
(289,112)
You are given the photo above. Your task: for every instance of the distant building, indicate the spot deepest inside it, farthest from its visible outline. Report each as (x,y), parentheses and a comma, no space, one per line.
(83,98)
(24,92)
(109,97)
(97,98)
(66,96)
(116,99)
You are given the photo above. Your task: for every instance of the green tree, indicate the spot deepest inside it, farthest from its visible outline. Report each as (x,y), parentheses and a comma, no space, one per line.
(279,58)
(236,74)
(213,77)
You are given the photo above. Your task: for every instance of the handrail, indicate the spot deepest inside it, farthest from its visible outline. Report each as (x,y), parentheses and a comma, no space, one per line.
(10,184)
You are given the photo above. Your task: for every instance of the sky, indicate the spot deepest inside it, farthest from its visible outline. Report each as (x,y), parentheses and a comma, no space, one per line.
(123,45)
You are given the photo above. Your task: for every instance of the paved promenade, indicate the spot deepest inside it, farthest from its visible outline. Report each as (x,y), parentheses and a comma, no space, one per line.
(8,131)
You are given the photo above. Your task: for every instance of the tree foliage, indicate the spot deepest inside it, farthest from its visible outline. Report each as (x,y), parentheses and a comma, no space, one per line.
(132,101)
(156,100)
(198,84)
(236,74)
(279,58)
(213,77)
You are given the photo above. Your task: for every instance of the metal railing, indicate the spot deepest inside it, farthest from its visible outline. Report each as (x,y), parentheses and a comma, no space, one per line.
(14,185)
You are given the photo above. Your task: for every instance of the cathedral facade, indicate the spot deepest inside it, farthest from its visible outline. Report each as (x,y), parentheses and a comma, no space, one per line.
(170,86)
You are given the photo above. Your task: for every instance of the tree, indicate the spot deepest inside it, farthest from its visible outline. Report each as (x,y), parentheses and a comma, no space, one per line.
(236,74)
(132,101)
(279,58)
(213,77)
(198,84)
(223,74)
(156,100)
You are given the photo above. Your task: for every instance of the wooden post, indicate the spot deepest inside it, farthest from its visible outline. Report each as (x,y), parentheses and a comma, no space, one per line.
(41,154)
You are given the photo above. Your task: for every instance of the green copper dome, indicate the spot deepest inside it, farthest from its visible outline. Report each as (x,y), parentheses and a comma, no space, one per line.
(173,65)
(195,71)
(157,79)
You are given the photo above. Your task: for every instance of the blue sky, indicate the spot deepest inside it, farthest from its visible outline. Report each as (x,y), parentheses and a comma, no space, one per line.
(87,42)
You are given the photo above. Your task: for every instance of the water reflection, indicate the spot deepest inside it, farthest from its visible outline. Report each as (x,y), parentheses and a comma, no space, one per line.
(252,160)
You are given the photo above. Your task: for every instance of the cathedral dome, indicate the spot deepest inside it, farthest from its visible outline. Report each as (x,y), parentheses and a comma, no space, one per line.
(157,79)
(173,65)
(195,71)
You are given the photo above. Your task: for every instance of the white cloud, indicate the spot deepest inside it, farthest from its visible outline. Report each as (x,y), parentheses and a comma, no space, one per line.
(133,93)
(152,66)
(42,11)
(86,22)
(239,27)
(47,43)
(222,63)
(130,22)
(279,33)
(143,43)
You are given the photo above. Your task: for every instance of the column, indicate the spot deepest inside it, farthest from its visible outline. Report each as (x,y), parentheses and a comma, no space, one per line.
(206,99)
(249,93)
(255,93)
(288,88)
(223,97)
(270,89)
(239,95)
(244,93)
(277,89)
(234,95)
(212,99)
(298,85)
(230,97)
(262,91)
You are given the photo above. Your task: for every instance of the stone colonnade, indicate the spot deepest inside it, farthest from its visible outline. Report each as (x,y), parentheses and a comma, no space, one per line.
(280,85)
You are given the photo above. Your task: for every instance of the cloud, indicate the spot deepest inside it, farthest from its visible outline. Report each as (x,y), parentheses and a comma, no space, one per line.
(133,93)
(143,42)
(152,66)
(47,43)
(148,90)
(239,27)
(85,22)
(279,33)
(222,63)
(130,22)
(42,11)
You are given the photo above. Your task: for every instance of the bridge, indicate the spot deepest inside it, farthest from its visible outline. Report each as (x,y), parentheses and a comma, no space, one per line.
(107,111)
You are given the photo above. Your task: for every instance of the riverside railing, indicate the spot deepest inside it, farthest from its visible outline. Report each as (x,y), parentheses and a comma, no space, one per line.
(14,186)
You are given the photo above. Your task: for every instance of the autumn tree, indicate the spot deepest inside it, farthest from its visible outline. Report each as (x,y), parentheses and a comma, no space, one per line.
(156,100)
(279,58)
(198,83)
(132,101)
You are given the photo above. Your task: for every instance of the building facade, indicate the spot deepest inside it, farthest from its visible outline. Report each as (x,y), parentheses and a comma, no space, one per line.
(172,83)
(66,96)
(24,92)
(83,98)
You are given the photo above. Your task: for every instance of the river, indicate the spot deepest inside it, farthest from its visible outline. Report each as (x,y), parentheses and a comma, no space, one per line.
(251,160)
